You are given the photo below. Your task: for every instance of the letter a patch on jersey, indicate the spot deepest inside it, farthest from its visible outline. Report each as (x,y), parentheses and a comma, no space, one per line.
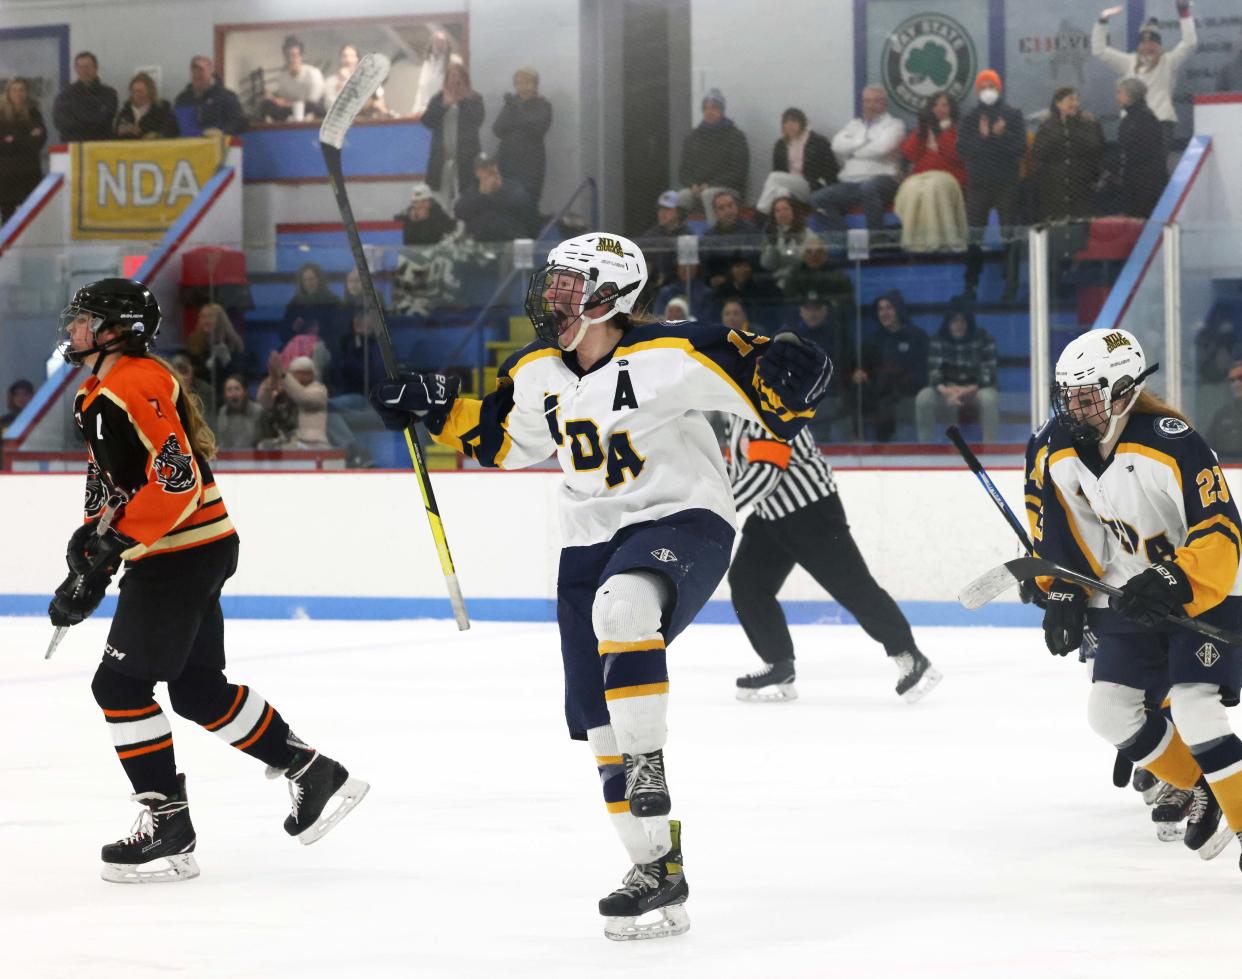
(625,397)
(173,467)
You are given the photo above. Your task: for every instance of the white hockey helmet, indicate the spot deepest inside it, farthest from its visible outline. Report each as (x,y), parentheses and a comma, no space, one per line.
(589,273)
(1098,378)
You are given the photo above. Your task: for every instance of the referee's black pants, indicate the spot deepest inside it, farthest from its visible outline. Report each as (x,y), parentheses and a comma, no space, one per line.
(817,537)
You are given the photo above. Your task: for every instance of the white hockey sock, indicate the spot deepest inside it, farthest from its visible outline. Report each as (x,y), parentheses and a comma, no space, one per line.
(644,839)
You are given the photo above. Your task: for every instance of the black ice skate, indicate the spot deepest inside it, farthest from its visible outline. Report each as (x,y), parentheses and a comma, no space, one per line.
(1170,810)
(645,786)
(314,781)
(1147,784)
(775,682)
(917,677)
(1205,832)
(162,832)
(657,886)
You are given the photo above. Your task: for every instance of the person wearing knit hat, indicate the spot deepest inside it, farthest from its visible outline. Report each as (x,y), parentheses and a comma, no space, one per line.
(714,157)
(992,143)
(1149,62)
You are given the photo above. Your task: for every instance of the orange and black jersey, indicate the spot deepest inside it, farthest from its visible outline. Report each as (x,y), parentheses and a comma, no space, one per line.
(139,458)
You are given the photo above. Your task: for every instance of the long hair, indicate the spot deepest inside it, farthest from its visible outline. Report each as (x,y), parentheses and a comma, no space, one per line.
(1149,404)
(202,438)
(928,123)
(8,111)
(147,82)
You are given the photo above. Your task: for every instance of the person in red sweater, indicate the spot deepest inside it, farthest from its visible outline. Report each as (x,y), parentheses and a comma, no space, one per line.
(930,202)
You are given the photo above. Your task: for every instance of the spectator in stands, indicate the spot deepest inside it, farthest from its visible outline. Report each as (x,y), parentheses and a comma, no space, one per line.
(358,362)
(816,274)
(297,92)
(756,292)
(930,202)
(454,115)
(961,373)
(19,394)
(191,383)
(206,106)
(496,211)
(992,143)
(869,149)
(1148,63)
(787,236)
(22,135)
(145,115)
(1142,172)
(237,421)
(714,157)
(299,383)
(1218,345)
(521,127)
(689,288)
(1225,430)
(310,314)
(1230,77)
(733,315)
(678,308)
(424,222)
(659,242)
(818,320)
(893,367)
(1067,154)
(214,343)
(347,61)
(802,163)
(437,57)
(729,234)
(85,110)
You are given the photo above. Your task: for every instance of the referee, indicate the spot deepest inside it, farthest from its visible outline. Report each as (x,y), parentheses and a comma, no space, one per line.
(797,518)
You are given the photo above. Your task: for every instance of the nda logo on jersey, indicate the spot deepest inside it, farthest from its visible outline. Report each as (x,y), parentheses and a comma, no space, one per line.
(664,554)
(610,245)
(1115,340)
(174,469)
(1207,654)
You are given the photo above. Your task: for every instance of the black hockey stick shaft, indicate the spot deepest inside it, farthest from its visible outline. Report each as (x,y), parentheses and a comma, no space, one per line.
(954,435)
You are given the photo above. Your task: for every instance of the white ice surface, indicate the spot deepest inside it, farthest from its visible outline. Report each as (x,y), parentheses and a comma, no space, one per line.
(845,834)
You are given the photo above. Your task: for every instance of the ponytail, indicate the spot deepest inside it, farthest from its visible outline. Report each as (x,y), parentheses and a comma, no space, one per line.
(1149,404)
(202,438)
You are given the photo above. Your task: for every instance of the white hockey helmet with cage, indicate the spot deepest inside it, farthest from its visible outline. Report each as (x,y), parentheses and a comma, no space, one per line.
(1098,377)
(589,274)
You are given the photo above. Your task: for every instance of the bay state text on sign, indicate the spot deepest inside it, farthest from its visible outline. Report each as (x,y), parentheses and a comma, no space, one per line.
(138,188)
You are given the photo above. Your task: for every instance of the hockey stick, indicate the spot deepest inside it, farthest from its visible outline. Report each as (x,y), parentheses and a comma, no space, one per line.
(955,436)
(367,77)
(101,528)
(987,586)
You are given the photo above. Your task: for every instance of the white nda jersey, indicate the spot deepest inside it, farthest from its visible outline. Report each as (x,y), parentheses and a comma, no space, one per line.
(629,434)
(1161,497)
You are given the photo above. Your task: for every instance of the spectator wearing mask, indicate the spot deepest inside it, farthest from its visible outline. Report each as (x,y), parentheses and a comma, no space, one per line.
(714,157)
(869,149)
(893,366)
(1067,154)
(22,135)
(802,163)
(454,115)
(424,222)
(930,202)
(207,105)
(659,242)
(992,143)
(1225,431)
(84,111)
(787,235)
(298,89)
(1230,77)
(1142,173)
(145,115)
(1148,62)
(497,210)
(730,234)
(961,373)
(237,421)
(523,123)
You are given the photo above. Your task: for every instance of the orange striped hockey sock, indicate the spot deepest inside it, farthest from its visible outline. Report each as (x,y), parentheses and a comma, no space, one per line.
(140,731)
(238,715)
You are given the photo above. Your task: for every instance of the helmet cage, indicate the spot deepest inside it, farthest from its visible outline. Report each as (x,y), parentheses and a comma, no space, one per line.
(1087,411)
(549,304)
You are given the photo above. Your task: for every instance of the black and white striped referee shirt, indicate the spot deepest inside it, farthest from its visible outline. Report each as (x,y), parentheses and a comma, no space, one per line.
(777,478)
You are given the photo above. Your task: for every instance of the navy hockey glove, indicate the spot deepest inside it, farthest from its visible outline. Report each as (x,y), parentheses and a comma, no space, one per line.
(414,396)
(76,598)
(1032,594)
(796,369)
(1152,595)
(1065,614)
(90,551)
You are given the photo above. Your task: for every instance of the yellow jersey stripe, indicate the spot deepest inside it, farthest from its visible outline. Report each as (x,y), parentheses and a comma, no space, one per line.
(642,646)
(602,760)
(616,807)
(1096,566)
(640,690)
(1155,454)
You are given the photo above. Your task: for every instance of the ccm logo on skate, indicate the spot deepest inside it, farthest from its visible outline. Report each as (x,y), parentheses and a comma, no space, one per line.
(110,650)
(1207,654)
(664,554)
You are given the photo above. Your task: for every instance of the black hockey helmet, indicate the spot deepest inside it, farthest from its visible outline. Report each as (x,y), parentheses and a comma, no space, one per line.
(123,303)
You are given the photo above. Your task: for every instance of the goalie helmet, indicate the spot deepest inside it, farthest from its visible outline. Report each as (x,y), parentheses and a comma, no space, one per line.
(1098,378)
(583,275)
(123,303)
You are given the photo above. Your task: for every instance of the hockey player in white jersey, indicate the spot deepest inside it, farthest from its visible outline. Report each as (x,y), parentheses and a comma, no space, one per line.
(647,516)
(1134,496)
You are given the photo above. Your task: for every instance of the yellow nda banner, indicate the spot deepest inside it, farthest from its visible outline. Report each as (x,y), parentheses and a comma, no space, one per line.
(138,188)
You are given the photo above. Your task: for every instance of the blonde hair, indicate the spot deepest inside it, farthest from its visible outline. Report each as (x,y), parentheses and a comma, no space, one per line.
(8,111)
(202,438)
(148,83)
(1149,404)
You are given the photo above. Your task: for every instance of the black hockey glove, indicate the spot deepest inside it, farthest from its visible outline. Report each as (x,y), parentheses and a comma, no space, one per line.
(1064,616)
(796,369)
(1032,594)
(90,551)
(1151,595)
(76,598)
(414,396)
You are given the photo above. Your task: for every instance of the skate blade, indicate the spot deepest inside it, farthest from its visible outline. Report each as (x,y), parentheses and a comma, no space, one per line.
(180,867)
(673,920)
(772,694)
(1151,795)
(1170,832)
(1216,845)
(351,793)
(927,683)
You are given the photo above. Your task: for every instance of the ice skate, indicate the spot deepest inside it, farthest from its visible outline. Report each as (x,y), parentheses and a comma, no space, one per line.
(160,845)
(1145,783)
(917,677)
(1206,833)
(645,785)
(775,682)
(314,781)
(1170,810)
(656,887)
